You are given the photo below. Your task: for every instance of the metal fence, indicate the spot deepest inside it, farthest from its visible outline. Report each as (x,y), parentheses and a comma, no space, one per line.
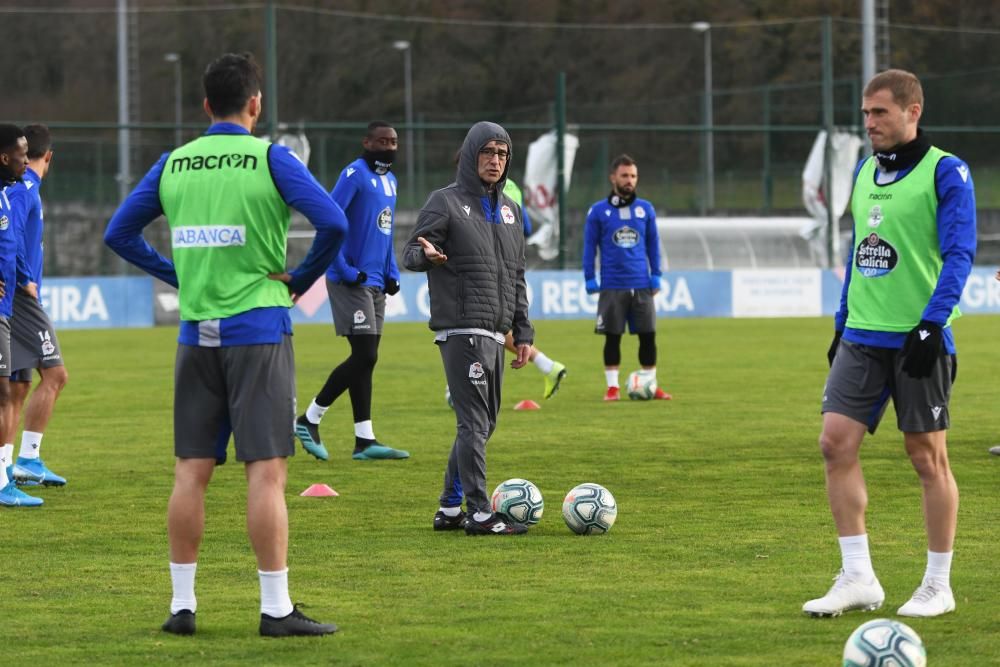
(637,85)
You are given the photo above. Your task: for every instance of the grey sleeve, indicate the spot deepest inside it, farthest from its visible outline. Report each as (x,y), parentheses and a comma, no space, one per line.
(432,224)
(523,332)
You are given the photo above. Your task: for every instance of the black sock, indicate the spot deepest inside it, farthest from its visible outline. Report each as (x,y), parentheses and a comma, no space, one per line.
(361,444)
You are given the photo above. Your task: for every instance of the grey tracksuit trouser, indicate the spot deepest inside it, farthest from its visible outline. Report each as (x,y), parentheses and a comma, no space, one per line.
(473,365)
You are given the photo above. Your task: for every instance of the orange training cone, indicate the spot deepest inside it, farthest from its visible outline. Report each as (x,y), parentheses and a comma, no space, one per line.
(527,404)
(319,491)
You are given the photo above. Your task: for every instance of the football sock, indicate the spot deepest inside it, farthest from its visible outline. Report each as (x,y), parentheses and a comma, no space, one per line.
(31,443)
(450,511)
(481,516)
(315,412)
(543,363)
(182,578)
(611,377)
(857,560)
(274,600)
(6,461)
(939,568)
(3,472)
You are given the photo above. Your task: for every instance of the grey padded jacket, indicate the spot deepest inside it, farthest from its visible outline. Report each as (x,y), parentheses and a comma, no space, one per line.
(482,284)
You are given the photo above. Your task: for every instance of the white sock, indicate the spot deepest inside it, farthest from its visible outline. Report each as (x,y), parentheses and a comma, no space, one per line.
(939,568)
(450,511)
(7,455)
(857,560)
(649,371)
(3,471)
(543,363)
(314,413)
(31,443)
(611,377)
(274,600)
(481,516)
(182,578)
(364,430)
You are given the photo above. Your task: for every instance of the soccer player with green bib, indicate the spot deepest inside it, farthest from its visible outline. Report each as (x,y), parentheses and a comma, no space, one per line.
(226,197)
(914,241)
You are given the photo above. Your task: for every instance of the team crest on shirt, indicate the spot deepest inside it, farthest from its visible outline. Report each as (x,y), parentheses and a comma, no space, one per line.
(4,222)
(385,221)
(875,217)
(507,215)
(625,237)
(875,256)
(640,212)
(359,317)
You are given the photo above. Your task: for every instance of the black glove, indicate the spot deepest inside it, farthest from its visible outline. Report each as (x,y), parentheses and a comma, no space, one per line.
(391,286)
(922,349)
(832,352)
(360,280)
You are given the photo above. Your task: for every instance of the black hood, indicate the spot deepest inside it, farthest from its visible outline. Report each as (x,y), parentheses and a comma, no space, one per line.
(479,135)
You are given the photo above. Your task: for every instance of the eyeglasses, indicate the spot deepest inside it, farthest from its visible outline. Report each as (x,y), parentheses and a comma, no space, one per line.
(489,153)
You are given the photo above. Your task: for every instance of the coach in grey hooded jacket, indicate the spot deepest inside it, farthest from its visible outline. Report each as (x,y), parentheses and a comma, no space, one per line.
(469,239)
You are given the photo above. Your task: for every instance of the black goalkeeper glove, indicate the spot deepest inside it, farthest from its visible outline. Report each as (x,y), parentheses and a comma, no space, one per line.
(832,352)
(360,280)
(391,286)
(922,349)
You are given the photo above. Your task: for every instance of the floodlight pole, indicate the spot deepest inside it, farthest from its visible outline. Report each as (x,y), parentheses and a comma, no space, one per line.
(407,49)
(708,200)
(175,58)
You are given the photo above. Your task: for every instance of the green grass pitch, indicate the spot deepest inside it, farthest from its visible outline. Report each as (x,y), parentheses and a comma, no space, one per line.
(723,528)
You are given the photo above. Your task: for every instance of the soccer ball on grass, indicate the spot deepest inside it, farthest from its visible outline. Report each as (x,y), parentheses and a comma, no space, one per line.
(884,643)
(589,508)
(641,385)
(519,500)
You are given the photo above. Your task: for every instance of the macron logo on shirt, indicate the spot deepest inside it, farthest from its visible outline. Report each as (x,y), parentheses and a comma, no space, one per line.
(214,236)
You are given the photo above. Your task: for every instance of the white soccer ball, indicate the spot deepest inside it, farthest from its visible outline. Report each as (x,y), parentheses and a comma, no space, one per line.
(519,500)
(589,508)
(884,643)
(641,385)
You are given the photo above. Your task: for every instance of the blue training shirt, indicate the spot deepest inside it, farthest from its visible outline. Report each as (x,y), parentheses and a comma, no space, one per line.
(628,243)
(956,227)
(11,212)
(32,236)
(369,202)
(300,190)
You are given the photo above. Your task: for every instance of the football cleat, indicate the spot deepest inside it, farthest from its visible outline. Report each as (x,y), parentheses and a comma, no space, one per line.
(444,522)
(11,496)
(494,525)
(846,594)
(181,623)
(553,378)
(308,435)
(661,395)
(295,624)
(927,601)
(379,451)
(613,394)
(27,471)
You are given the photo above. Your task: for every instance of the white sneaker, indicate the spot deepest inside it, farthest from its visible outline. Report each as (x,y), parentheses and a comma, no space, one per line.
(928,600)
(846,594)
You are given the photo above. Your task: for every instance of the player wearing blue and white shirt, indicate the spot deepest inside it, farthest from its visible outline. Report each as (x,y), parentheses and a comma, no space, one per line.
(358,280)
(621,230)
(33,338)
(13,163)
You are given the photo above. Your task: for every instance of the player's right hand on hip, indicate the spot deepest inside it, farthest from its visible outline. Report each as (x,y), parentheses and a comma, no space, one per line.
(832,352)
(358,280)
(592,286)
(433,255)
